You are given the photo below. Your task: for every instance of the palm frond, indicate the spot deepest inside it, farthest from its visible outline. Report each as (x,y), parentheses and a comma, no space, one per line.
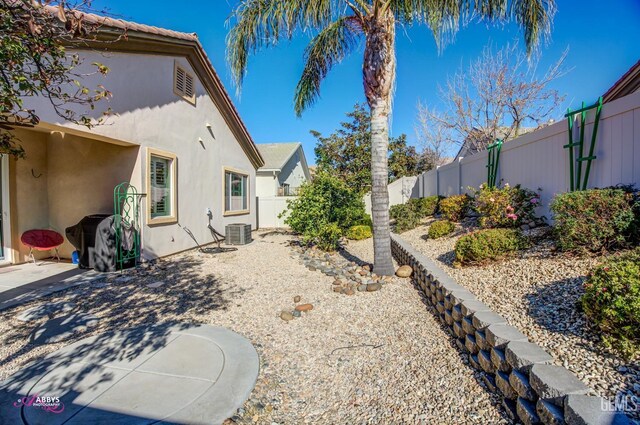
(326,49)
(262,23)
(444,16)
(535,17)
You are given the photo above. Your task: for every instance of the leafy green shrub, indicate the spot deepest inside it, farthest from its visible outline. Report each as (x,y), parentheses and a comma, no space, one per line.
(325,208)
(505,206)
(612,301)
(454,208)
(367,221)
(595,220)
(405,216)
(328,237)
(424,207)
(440,228)
(488,244)
(359,232)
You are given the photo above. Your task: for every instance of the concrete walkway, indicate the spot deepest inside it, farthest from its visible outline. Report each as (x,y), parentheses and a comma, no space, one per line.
(26,282)
(174,373)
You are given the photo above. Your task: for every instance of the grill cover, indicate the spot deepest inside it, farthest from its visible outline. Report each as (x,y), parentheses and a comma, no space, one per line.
(95,239)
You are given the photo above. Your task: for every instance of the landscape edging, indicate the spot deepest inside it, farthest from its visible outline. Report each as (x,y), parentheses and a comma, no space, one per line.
(487,338)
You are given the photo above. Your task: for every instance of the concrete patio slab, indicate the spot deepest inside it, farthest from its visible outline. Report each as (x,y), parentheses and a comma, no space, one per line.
(173,373)
(26,282)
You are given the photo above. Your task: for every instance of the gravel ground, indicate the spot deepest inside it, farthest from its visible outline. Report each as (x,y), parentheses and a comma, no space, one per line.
(538,292)
(376,357)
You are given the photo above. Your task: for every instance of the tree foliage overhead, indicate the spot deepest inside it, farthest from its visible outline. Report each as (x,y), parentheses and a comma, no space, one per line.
(347,152)
(35,62)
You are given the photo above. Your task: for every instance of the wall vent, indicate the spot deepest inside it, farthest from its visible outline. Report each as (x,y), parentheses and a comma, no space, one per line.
(184,84)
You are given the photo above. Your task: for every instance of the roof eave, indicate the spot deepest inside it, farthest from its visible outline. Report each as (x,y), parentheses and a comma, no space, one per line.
(144,42)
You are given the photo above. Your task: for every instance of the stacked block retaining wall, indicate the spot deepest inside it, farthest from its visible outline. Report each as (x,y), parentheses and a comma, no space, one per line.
(533,389)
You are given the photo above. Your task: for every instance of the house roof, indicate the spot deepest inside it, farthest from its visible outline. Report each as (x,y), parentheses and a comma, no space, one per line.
(276,155)
(469,148)
(132,37)
(627,84)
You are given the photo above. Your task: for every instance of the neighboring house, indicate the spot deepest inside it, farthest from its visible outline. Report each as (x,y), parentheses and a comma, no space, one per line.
(175,135)
(285,169)
(474,143)
(627,84)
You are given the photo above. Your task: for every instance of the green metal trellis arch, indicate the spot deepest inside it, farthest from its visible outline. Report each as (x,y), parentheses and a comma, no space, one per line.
(493,159)
(576,180)
(126,212)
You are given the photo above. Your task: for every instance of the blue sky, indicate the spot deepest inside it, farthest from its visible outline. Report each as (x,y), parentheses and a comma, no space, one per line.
(602,38)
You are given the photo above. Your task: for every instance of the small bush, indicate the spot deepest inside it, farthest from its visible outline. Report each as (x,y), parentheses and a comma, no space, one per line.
(405,216)
(440,228)
(424,207)
(359,232)
(488,244)
(367,221)
(506,206)
(612,301)
(328,237)
(454,208)
(595,220)
(324,204)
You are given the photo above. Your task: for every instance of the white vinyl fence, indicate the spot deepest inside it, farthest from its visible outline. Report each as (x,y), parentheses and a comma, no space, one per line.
(269,208)
(399,192)
(538,159)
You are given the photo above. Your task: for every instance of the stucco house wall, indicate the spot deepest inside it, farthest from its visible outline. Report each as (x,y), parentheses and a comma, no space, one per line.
(80,173)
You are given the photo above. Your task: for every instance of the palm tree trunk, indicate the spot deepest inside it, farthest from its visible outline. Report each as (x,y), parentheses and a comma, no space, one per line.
(379,72)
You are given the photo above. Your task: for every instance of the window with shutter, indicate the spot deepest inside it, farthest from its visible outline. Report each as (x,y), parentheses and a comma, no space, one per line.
(184,84)
(161,186)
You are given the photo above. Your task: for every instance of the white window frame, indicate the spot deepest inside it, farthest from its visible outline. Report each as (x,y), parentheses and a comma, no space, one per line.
(173,190)
(247,193)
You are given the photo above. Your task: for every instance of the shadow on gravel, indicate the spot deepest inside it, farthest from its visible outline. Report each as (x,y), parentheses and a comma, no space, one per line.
(124,301)
(350,257)
(447,258)
(556,307)
(275,232)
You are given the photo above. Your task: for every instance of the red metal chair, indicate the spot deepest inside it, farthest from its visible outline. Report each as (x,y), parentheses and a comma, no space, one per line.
(42,240)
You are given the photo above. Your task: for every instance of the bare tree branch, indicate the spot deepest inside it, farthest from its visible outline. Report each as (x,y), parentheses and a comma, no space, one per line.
(499,96)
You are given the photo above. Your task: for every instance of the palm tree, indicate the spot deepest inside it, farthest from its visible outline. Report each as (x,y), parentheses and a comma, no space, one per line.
(338,26)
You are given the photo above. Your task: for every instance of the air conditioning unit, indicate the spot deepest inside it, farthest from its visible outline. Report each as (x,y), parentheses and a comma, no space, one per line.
(238,234)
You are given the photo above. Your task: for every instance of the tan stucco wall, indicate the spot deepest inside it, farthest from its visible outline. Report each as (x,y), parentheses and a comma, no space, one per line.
(28,194)
(82,175)
(149,113)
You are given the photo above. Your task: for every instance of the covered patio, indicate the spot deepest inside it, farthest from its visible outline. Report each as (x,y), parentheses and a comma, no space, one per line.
(65,176)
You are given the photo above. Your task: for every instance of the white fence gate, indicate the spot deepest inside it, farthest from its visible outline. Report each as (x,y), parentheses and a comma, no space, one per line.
(269,208)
